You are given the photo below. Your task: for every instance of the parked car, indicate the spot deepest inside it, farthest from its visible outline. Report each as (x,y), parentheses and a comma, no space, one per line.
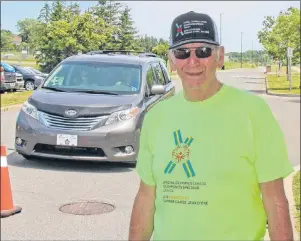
(37,72)
(91,107)
(8,78)
(31,81)
(19,81)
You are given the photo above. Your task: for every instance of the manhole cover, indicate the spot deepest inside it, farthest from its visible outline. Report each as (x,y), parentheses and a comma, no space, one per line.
(87,208)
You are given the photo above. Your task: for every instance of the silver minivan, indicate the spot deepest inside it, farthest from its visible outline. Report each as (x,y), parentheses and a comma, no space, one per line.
(91,107)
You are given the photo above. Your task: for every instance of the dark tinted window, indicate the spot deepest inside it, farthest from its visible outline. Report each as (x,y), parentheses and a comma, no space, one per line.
(158,73)
(165,71)
(150,76)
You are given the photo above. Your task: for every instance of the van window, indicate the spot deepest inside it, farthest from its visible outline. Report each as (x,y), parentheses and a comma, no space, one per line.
(165,72)
(150,77)
(119,78)
(158,73)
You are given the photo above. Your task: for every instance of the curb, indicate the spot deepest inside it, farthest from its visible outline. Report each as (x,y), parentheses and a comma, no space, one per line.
(277,94)
(281,95)
(6,108)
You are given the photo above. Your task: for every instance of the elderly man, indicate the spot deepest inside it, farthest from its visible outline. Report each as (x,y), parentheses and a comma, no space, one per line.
(212,158)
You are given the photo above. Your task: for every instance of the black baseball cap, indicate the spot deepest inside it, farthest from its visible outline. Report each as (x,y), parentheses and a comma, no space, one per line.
(192,27)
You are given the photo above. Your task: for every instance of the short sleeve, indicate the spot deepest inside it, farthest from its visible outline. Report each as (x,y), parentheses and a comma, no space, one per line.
(271,155)
(145,157)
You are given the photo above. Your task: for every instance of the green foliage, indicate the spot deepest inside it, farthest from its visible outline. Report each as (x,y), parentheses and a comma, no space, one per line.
(162,50)
(280,33)
(6,40)
(127,32)
(253,56)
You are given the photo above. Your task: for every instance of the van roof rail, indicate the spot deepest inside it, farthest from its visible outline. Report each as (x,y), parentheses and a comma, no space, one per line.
(127,52)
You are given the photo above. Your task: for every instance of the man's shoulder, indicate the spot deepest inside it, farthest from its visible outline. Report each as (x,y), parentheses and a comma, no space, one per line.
(241,96)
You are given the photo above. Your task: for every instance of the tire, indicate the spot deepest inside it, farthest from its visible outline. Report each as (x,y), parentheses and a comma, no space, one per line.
(29,85)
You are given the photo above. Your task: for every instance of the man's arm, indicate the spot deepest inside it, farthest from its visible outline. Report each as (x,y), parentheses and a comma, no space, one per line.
(277,210)
(142,219)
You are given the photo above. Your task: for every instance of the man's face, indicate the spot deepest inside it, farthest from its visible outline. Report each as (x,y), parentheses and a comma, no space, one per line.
(194,71)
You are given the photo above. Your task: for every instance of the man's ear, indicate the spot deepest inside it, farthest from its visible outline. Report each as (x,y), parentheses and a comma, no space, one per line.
(220,57)
(171,61)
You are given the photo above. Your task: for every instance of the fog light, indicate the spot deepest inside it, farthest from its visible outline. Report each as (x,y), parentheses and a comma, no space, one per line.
(128,149)
(18,141)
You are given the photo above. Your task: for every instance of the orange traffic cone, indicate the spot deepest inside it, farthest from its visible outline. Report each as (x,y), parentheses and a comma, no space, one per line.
(7,205)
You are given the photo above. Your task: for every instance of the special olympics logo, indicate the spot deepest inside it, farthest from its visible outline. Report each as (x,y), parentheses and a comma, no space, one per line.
(181,153)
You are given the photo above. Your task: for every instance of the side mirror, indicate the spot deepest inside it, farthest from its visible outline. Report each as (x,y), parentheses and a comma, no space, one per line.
(158,90)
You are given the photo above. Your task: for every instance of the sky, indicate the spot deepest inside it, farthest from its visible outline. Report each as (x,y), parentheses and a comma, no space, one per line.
(154,18)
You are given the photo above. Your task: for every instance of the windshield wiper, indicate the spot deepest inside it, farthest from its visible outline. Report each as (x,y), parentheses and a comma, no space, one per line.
(53,88)
(97,92)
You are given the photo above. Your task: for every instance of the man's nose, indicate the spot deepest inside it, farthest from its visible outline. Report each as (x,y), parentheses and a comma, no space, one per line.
(193,59)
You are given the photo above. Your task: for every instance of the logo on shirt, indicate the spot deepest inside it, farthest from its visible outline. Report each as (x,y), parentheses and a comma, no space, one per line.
(181,155)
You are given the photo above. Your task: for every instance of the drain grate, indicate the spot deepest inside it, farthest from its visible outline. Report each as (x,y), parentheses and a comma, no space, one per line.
(87,208)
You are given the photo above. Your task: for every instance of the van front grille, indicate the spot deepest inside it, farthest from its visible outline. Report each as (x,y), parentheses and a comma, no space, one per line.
(72,124)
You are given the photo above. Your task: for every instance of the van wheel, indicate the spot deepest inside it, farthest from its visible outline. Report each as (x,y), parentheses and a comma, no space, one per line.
(29,85)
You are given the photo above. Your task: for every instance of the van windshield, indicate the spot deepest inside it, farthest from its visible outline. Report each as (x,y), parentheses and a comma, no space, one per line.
(107,77)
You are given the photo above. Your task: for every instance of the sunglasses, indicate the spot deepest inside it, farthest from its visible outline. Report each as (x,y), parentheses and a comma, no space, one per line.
(200,52)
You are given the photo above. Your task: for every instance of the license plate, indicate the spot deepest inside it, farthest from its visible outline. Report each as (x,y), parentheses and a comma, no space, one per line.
(66,140)
(12,84)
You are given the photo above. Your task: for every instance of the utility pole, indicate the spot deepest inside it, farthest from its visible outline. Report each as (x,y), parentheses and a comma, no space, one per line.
(220,25)
(252,52)
(241,50)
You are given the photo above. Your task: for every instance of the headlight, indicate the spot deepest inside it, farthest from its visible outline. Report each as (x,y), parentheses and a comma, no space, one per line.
(122,115)
(29,109)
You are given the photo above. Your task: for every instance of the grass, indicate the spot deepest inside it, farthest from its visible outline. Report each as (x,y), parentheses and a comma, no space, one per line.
(281,84)
(296,193)
(236,65)
(25,63)
(274,68)
(17,56)
(14,98)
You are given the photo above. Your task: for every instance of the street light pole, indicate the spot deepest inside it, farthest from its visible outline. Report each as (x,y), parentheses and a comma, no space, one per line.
(241,50)
(220,25)
(252,53)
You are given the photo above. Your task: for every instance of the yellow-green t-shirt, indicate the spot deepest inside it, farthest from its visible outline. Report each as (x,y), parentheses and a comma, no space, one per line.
(207,160)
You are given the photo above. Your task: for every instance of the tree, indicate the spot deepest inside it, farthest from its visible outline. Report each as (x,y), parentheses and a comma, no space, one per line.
(162,49)
(30,31)
(147,43)
(6,40)
(57,11)
(45,12)
(280,33)
(66,38)
(126,33)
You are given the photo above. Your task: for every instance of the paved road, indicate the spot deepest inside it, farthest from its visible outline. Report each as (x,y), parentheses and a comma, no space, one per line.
(40,187)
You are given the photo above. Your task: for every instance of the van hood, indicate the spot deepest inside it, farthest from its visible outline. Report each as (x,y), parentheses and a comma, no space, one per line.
(84,104)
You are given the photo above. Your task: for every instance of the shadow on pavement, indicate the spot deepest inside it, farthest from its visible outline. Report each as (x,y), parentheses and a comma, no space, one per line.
(14,159)
(258,91)
(294,101)
(253,82)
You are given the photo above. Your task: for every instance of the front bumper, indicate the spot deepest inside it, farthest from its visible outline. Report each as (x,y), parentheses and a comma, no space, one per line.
(103,144)
(20,84)
(8,86)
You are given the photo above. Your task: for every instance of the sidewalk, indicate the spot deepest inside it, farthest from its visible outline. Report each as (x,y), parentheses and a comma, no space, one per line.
(288,185)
